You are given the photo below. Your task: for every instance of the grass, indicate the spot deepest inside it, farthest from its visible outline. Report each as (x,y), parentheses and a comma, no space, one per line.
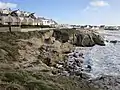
(42,81)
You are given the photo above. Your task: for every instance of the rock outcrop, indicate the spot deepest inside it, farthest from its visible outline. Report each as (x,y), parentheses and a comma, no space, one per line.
(88,39)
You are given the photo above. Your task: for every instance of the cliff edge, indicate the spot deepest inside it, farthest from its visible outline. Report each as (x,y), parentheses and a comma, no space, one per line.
(29,60)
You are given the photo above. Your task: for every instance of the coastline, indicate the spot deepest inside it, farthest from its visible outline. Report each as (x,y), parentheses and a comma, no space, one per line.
(46,60)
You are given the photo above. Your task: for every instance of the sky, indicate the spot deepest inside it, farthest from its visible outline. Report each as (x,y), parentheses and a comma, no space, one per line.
(92,12)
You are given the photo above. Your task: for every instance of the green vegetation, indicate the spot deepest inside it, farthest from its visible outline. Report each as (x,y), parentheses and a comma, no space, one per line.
(41,81)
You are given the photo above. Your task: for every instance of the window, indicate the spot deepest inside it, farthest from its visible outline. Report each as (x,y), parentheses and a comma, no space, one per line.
(48,21)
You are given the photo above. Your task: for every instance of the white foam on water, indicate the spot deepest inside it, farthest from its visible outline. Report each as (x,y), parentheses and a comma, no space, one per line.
(104,60)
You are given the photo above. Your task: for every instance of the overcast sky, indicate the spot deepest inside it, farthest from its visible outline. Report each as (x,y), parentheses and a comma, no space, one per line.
(94,12)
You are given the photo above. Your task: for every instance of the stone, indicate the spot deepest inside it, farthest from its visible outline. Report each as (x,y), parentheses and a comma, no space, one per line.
(115,41)
(98,39)
(57,46)
(88,39)
(66,47)
(48,34)
(65,73)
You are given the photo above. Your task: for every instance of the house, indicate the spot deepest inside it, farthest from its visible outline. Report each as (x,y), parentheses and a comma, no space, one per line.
(29,18)
(49,22)
(67,26)
(10,19)
(8,16)
(6,19)
(102,26)
(18,17)
(39,21)
(95,28)
(4,16)
(111,28)
(87,27)
(76,26)
(6,11)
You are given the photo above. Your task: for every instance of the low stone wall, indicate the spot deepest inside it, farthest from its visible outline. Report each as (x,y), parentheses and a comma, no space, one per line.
(19,29)
(35,29)
(6,29)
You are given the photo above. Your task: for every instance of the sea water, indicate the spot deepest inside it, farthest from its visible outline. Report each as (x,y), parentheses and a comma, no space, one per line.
(104,60)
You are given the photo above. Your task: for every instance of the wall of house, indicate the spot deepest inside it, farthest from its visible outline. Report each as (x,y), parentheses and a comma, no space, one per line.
(48,22)
(19,29)
(20,21)
(24,18)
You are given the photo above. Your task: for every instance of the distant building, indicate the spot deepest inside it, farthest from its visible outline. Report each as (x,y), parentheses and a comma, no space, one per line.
(39,21)
(65,26)
(111,28)
(18,17)
(87,27)
(5,11)
(76,26)
(95,27)
(102,26)
(6,19)
(49,22)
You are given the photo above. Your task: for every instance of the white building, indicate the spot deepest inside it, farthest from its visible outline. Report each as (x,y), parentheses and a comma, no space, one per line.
(48,22)
(65,26)
(39,21)
(5,11)
(95,28)
(18,17)
(87,27)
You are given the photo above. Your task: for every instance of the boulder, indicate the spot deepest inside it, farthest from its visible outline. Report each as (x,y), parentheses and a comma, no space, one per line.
(78,40)
(66,47)
(114,41)
(48,34)
(98,39)
(57,46)
(88,39)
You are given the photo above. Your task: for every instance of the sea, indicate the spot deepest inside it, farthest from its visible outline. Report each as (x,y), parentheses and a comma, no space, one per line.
(104,60)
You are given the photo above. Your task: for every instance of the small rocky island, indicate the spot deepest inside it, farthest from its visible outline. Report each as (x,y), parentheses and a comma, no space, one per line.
(42,60)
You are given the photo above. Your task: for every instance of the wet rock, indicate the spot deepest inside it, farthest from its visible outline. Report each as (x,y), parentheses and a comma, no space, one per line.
(89,39)
(75,55)
(106,40)
(89,67)
(115,41)
(84,76)
(74,63)
(80,54)
(98,39)
(106,82)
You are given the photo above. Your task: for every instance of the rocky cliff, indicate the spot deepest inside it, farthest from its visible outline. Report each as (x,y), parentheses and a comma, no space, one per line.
(88,38)
(29,60)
